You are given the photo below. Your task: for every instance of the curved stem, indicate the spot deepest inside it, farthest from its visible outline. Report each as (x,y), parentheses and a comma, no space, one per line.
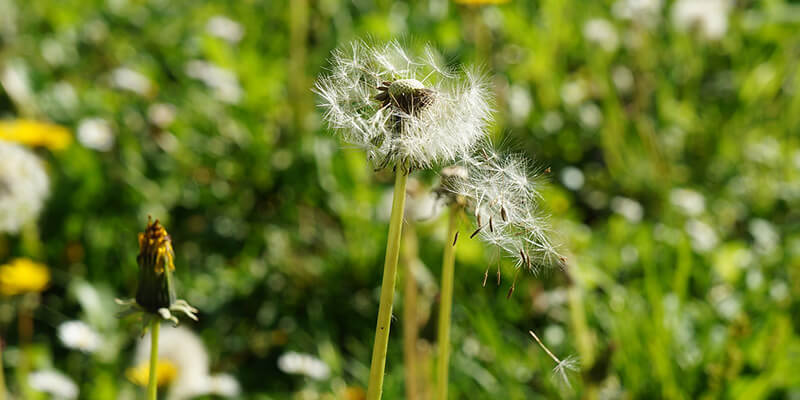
(152,384)
(446,303)
(378,364)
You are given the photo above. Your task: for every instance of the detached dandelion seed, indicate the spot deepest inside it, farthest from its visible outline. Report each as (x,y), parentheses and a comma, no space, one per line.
(562,366)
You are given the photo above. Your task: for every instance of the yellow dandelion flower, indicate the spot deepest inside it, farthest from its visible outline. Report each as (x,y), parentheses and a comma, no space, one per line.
(23,276)
(156,263)
(35,133)
(166,373)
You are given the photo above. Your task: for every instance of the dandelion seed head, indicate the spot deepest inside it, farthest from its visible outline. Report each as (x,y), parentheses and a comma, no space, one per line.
(403,107)
(561,370)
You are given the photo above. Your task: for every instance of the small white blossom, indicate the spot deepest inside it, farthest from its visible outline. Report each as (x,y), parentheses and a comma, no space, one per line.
(601,32)
(403,109)
(590,115)
(54,383)
(572,178)
(96,134)
(552,121)
(704,238)
(690,202)
(225,28)
(224,82)
(709,17)
(303,364)
(24,186)
(622,78)
(77,335)
(631,209)
(573,92)
(128,79)
(161,114)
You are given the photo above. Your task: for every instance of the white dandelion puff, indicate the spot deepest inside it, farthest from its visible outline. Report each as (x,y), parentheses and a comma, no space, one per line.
(503,194)
(568,364)
(24,186)
(401,107)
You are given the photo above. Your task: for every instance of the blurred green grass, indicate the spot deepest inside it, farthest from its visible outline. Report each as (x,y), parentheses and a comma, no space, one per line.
(275,223)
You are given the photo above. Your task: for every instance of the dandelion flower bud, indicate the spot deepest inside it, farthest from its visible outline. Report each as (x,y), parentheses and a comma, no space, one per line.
(156,263)
(403,108)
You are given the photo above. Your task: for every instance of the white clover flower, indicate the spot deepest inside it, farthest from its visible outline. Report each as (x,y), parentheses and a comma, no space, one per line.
(79,336)
(96,134)
(185,351)
(402,108)
(709,17)
(601,32)
(54,383)
(24,186)
(303,364)
(225,28)
(503,194)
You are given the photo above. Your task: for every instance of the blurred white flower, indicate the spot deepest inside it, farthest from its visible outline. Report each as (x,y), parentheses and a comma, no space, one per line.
(185,351)
(552,121)
(709,17)
(225,28)
(690,202)
(622,78)
(601,32)
(766,235)
(573,92)
(223,81)
(161,114)
(54,383)
(572,178)
(16,82)
(519,103)
(24,186)
(96,134)
(590,115)
(128,79)
(628,208)
(646,12)
(703,236)
(421,203)
(303,364)
(403,108)
(79,336)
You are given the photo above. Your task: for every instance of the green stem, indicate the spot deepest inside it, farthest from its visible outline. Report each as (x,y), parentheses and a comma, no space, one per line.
(410,318)
(2,375)
(446,303)
(378,364)
(152,384)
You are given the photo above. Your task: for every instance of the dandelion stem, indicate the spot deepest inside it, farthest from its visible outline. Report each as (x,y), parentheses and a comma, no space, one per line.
(446,304)
(152,384)
(378,364)
(410,318)
(2,375)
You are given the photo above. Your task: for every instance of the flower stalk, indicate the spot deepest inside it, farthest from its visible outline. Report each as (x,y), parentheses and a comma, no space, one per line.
(378,364)
(410,317)
(446,301)
(152,384)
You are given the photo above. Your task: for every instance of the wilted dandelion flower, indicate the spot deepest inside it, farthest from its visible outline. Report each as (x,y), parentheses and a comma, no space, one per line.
(503,194)
(183,366)
(24,186)
(403,108)
(80,336)
(23,276)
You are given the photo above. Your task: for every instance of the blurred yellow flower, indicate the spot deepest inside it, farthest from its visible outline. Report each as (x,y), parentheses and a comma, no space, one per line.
(35,133)
(23,276)
(166,372)
(481,2)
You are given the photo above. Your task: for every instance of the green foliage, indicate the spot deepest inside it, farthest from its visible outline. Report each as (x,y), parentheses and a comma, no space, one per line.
(675,195)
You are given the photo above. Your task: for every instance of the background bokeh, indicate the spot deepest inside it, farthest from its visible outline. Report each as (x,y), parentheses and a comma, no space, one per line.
(670,127)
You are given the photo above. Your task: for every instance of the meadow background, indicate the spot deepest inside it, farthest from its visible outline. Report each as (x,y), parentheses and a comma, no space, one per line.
(671,129)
